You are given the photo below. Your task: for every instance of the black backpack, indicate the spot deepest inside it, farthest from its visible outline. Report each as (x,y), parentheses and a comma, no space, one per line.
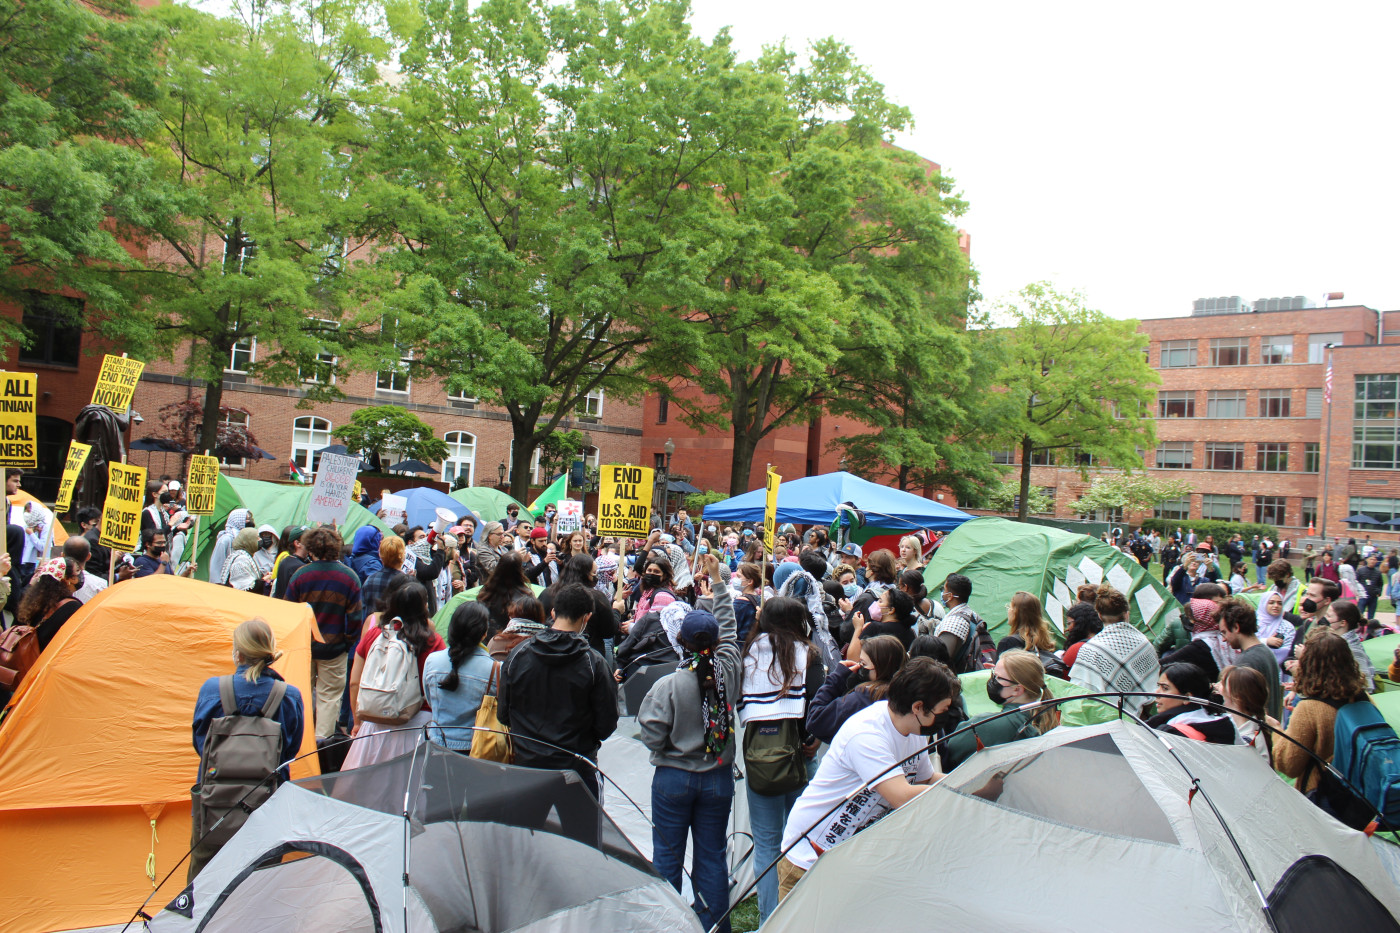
(978,652)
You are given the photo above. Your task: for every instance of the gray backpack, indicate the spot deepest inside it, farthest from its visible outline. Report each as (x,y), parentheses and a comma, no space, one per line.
(240,754)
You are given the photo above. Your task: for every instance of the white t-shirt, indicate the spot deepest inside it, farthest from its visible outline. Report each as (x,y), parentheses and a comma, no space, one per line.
(865,749)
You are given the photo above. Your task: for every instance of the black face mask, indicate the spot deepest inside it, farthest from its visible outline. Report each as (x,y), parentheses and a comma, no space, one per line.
(929,731)
(157,550)
(1309,606)
(995,692)
(651,580)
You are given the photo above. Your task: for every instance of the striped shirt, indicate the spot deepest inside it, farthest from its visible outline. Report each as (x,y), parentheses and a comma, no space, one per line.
(332,590)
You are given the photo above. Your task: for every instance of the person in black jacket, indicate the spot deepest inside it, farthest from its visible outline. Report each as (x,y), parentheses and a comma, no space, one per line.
(580,569)
(557,690)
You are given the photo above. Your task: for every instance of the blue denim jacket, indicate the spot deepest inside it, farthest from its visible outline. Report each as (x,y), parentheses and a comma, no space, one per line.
(456,707)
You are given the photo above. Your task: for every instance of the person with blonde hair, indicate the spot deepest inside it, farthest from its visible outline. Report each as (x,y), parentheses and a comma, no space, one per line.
(254,652)
(1017,680)
(1028,629)
(911,553)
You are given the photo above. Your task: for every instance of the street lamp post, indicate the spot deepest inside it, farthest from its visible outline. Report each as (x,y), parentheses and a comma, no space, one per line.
(501,475)
(670,448)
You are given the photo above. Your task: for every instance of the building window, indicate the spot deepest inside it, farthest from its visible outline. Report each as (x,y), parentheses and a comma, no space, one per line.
(1308,513)
(591,405)
(242,355)
(239,418)
(52,324)
(1312,458)
(1112,516)
(1275,403)
(1382,510)
(461,457)
(1269,510)
(1173,509)
(1225,403)
(1005,455)
(1317,346)
(1276,349)
(1314,409)
(1177,354)
(1273,458)
(1376,428)
(461,396)
(322,371)
(1174,455)
(1229,351)
(663,409)
(309,435)
(1082,458)
(534,465)
(1049,494)
(1040,456)
(1221,508)
(1224,456)
(395,379)
(1176,404)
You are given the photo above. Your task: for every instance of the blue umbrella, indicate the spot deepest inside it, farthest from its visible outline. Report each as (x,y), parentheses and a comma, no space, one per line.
(816,500)
(423,503)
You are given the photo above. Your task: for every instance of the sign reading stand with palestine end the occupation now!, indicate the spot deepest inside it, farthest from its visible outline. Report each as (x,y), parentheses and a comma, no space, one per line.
(121,513)
(202,485)
(116,382)
(624,500)
(18,421)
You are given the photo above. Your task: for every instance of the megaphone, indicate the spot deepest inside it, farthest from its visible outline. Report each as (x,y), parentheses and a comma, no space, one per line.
(446,518)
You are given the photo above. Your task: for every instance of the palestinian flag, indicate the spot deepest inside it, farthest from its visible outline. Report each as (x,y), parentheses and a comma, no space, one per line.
(295,473)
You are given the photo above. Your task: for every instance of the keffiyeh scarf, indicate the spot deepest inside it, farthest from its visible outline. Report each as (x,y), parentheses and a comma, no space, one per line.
(1118,660)
(716,715)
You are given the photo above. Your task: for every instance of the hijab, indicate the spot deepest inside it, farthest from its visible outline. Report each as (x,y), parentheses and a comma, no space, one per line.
(237,521)
(364,551)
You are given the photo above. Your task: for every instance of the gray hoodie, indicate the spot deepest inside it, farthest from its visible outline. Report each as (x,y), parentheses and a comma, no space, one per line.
(670,717)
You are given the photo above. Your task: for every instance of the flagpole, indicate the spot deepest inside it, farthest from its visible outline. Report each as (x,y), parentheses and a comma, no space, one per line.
(1327,442)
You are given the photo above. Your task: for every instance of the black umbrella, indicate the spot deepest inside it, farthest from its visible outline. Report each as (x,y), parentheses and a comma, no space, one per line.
(335,449)
(241,453)
(411,466)
(1362,520)
(681,486)
(158,443)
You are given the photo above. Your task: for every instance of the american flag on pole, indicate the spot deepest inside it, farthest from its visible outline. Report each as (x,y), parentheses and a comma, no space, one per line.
(1327,383)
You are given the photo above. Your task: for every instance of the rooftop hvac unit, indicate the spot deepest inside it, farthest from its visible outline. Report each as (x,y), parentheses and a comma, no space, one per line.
(1231,304)
(1295,303)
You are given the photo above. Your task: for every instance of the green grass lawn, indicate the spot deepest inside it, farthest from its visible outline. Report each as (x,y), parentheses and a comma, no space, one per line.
(745,915)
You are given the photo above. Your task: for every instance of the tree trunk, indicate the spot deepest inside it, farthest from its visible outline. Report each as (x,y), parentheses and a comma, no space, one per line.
(1025,478)
(745,443)
(209,428)
(522,451)
(904,477)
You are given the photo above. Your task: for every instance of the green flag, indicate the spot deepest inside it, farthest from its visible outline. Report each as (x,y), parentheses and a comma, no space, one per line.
(556,490)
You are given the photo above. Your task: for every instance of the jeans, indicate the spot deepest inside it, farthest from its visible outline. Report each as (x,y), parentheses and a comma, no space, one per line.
(1366,603)
(1260,573)
(767,817)
(698,803)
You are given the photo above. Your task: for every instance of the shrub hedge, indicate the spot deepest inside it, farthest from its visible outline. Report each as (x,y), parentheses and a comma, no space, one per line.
(1221,530)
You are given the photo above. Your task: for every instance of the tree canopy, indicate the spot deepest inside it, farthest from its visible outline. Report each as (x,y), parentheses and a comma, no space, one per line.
(1135,492)
(389,431)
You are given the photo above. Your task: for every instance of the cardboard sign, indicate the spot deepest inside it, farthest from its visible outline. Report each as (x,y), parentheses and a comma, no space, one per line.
(17,421)
(72,466)
(770,511)
(624,500)
(358,491)
(121,513)
(202,485)
(335,481)
(393,510)
(116,382)
(569,518)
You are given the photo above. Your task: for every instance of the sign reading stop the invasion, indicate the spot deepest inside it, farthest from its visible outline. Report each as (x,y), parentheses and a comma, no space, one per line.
(17,422)
(77,456)
(202,485)
(624,500)
(121,513)
(116,382)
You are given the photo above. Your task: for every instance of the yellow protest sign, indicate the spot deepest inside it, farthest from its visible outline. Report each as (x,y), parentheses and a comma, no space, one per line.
(624,500)
(116,382)
(770,511)
(201,485)
(121,513)
(77,456)
(17,424)
(358,491)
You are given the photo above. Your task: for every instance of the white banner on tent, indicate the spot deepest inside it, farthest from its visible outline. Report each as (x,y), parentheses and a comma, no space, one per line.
(1148,601)
(393,509)
(569,518)
(1074,578)
(335,481)
(1092,571)
(1120,579)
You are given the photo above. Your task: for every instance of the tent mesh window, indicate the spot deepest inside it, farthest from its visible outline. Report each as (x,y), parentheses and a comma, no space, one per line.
(1088,784)
(1316,893)
(482,832)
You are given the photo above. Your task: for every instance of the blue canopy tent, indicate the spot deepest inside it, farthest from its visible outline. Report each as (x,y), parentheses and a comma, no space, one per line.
(814,500)
(423,503)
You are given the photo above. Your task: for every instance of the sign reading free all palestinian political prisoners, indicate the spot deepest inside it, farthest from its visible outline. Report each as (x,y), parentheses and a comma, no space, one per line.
(624,500)
(335,481)
(121,513)
(17,421)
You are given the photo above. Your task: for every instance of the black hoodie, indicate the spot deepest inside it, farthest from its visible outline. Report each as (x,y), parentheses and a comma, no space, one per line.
(556,688)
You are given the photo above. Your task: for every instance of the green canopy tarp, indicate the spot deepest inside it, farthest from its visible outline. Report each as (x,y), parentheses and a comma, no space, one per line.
(444,613)
(275,504)
(489,503)
(1001,557)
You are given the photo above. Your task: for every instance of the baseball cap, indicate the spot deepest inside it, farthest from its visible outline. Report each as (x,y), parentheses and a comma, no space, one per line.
(173,485)
(699,628)
(851,549)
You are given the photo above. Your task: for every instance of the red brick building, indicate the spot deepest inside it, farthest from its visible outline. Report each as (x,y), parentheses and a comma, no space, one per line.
(1242,416)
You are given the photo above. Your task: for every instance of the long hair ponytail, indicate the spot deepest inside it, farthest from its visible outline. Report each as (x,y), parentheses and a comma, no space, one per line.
(464,635)
(1025,669)
(409,604)
(255,644)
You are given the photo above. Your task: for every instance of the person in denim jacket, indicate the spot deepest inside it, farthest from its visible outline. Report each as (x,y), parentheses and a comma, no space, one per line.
(455,680)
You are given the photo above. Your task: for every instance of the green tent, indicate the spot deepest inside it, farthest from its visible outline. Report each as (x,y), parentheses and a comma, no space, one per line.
(489,503)
(275,504)
(1001,557)
(444,613)
(974,692)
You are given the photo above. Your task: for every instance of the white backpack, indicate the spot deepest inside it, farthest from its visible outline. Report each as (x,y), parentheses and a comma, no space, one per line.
(390,691)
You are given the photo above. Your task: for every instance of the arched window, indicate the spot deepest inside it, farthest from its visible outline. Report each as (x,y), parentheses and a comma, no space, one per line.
(461,457)
(309,435)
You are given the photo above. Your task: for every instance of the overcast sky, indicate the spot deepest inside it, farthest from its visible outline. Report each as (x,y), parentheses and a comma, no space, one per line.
(1147,154)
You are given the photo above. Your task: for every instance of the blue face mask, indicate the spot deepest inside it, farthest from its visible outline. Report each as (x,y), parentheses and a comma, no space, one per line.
(704,549)
(851,590)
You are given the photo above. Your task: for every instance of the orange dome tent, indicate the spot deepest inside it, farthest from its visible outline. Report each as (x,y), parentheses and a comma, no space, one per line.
(96,759)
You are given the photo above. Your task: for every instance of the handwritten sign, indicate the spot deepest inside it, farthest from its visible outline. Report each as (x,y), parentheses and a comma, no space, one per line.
(121,513)
(116,382)
(393,509)
(624,500)
(17,421)
(569,518)
(202,485)
(770,511)
(335,481)
(72,466)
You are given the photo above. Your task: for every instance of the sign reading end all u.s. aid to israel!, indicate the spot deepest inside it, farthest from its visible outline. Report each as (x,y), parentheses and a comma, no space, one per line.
(17,420)
(624,500)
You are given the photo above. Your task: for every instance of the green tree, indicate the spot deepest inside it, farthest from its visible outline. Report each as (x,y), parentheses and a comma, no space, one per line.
(823,247)
(75,82)
(1135,492)
(262,128)
(1002,496)
(552,167)
(558,452)
(1079,381)
(385,431)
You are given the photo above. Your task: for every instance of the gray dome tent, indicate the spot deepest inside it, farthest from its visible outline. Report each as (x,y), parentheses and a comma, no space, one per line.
(485,847)
(1098,828)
